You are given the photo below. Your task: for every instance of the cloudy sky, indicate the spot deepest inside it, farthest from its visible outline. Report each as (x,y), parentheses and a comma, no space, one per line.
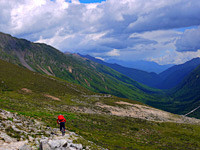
(164,31)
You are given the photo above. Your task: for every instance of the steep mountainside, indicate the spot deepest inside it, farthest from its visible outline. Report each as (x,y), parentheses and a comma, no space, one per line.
(47,60)
(187,94)
(150,79)
(185,97)
(174,75)
(110,122)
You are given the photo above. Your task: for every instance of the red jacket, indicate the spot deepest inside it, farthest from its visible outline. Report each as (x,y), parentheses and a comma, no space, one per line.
(61,119)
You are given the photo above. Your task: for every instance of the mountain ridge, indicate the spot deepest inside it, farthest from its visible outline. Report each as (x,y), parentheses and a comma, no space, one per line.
(174,75)
(148,66)
(45,59)
(165,80)
(144,77)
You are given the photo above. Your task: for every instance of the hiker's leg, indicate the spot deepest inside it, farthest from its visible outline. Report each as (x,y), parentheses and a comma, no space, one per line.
(60,126)
(64,125)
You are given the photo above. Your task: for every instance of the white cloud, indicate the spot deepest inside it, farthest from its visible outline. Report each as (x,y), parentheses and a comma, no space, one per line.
(56,39)
(189,41)
(100,58)
(125,29)
(113,52)
(75,1)
(174,57)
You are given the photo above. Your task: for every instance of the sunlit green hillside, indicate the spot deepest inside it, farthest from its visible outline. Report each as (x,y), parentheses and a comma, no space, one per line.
(44,97)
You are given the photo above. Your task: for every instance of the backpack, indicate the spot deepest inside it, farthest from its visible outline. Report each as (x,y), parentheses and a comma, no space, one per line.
(61,117)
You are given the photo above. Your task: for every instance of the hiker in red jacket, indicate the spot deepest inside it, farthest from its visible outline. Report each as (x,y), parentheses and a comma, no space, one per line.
(61,120)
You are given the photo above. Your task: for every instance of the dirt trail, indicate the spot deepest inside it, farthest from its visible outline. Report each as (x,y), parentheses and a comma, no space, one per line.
(52,97)
(145,112)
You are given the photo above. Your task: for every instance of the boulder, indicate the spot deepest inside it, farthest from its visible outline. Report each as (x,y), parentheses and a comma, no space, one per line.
(30,138)
(25,147)
(54,144)
(37,141)
(62,148)
(65,144)
(7,138)
(57,143)
(76,146)
(44,146)
(47,132)
(69,141)
(16,120)
(19,124)
(16,129)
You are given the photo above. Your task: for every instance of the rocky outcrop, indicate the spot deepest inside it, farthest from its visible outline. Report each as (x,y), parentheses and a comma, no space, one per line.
(59,143)
(18,132)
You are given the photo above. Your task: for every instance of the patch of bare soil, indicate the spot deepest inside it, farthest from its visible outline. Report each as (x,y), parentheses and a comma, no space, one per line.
(88,84)
(52,97)
(45,71)
(51,70)
(145,112)
(70,69)
(26,90)
(124,103)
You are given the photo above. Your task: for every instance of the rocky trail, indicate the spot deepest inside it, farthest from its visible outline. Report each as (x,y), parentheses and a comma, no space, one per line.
(18,132)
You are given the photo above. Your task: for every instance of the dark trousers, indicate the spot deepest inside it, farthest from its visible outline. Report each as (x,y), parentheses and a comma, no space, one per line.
(62,125)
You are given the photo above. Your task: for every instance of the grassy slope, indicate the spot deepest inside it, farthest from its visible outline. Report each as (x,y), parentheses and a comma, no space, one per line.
(108,131)
(91,75)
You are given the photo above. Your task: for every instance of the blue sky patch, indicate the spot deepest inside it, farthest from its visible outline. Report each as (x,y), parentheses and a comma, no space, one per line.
(91,1)
(86,1)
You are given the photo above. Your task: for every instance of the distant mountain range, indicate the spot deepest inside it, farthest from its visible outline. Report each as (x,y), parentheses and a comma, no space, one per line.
(148,66)
(174,75)
(164,80)
(150,79)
